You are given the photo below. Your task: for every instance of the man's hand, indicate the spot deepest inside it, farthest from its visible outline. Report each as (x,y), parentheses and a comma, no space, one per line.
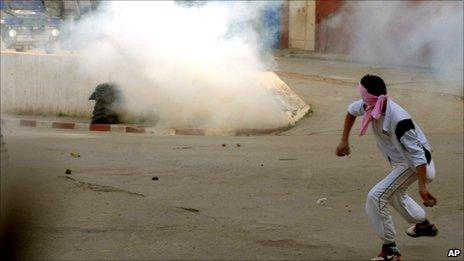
(429,200)
(343,149)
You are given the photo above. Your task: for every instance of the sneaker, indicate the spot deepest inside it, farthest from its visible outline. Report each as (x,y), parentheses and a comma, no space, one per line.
(389,252)
(420,230)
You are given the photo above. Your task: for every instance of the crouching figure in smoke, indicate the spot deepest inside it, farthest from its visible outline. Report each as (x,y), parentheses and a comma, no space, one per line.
(405,146)
(107,98)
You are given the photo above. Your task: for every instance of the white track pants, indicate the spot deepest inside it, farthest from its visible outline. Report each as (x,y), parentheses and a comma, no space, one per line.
(393,190)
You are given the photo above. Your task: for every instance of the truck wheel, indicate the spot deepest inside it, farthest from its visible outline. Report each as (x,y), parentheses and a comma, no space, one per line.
(20,48)
(51,47)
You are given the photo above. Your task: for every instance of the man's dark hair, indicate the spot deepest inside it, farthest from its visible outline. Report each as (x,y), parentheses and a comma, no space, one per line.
(374,85)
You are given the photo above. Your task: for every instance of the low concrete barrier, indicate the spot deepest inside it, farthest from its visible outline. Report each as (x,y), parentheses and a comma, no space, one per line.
(41,84)
(51,85)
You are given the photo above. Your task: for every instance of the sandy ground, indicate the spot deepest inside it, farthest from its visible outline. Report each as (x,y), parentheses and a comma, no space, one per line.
(253,201)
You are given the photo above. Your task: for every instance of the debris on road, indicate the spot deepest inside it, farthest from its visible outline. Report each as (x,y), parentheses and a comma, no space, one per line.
(321,201)
(75,154)
(68,171)
(183,148)
(190,209)
(289,159)
(262,165)
(239,145)
(223,145)
(155,178)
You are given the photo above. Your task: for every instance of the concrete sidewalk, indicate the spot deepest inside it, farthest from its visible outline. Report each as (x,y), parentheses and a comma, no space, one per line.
(329,68)
(297,53)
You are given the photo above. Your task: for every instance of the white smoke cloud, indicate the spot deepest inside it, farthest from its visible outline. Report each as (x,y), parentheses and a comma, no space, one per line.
(422,33)
(194,67)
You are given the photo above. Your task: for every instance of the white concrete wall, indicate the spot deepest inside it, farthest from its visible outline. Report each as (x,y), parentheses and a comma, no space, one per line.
(51,84)
(302,20)
(44,85)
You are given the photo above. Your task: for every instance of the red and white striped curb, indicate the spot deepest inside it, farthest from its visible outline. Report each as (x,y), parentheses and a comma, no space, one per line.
(12,122)
(120,128)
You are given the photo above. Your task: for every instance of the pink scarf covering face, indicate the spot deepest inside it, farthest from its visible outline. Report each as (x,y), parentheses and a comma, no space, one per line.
(374,107)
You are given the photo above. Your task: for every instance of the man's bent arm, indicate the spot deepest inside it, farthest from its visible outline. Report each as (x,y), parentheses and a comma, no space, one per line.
(421,176)
(343,148)
(349,121)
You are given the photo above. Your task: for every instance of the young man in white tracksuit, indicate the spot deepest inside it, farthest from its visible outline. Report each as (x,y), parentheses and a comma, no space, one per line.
(405,146)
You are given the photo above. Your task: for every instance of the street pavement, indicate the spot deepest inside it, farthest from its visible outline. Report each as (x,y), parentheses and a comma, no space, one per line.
(132,196)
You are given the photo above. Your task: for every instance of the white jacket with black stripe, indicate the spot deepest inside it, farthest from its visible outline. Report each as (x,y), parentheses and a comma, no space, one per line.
(398,137)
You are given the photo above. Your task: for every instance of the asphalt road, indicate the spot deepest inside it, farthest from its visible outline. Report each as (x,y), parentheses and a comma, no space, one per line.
(254,198)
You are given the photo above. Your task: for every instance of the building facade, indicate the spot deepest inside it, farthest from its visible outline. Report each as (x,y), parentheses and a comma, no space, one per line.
(304,24)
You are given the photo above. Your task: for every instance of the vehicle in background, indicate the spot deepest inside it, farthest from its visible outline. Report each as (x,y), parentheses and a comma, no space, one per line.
(77,9)
(27,24)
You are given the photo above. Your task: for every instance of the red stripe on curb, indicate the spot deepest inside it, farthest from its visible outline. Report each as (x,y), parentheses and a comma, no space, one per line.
(190,132)
(99,127)
(132,129)
(250,132)
(63,125)
(27,123)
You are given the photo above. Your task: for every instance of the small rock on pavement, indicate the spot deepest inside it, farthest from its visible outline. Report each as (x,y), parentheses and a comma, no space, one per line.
(321,201)
(155,178)
(239,145)
(75,154)
(223,145)
(68,171)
